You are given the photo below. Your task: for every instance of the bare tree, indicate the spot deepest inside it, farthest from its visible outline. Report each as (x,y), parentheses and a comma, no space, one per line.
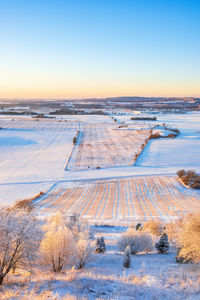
(19,240)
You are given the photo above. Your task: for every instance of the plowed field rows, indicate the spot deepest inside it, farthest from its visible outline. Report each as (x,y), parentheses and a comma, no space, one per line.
(129,199)
(38,124)
(105,146)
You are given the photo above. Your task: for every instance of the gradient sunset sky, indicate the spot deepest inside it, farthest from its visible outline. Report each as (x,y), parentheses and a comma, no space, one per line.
(97,48)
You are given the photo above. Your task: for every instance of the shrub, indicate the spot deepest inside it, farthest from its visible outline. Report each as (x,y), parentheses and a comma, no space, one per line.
(74,140)
(137,240)
(66,242)
(196,183)
(100,245)
(58,247)
(171,229)
(180,259)
(26,204)
(79,228)
(188,239)
(155,136)
(190,178)
(20,237)
(154,227)
(84,250)
(127,257)
(163,245)
(181,173)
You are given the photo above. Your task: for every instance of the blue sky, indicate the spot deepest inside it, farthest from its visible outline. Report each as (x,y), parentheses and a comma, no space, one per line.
(56,49)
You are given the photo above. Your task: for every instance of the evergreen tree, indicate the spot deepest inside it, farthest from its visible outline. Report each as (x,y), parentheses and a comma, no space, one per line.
(127,258)
(100,245)
(163,245)
(138,226)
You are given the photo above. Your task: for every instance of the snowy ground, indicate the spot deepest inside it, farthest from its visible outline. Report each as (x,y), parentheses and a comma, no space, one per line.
(36,152)
(181,152)
(33,158)
(32,155)
(151,276)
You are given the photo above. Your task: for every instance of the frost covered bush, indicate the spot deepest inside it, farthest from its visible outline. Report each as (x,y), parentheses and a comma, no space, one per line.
(19,240)
(65,243)
(78,227)
(153,227)
(100,245)
(181,259)
(138,241)
(172,229)
(188,239)
(127,257)
(84,249)
(58,247)
(162,245)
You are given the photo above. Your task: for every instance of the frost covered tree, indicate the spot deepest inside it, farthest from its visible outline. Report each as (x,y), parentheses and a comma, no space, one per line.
(58,247)
(154,227)
(127,257)
(138,241)
(66,243)
(79,228)
(188,239)
(163,244)
(100,245)
(84,249)
(19,240)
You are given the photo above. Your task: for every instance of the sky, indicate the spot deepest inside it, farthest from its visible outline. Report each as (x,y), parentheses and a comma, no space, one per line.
(99,48)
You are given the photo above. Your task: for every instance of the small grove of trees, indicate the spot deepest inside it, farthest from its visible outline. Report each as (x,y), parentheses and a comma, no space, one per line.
(20,237)
(190,178)
(59,243)
(57,247)
(66,243)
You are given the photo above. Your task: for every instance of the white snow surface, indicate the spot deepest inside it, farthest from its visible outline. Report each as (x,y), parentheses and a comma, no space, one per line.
(151,276)
(34,153)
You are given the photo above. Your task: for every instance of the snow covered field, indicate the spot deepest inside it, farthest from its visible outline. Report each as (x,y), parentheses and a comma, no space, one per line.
(34,154)
(101,145)
(121,201)
(181,152)
(31,151)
